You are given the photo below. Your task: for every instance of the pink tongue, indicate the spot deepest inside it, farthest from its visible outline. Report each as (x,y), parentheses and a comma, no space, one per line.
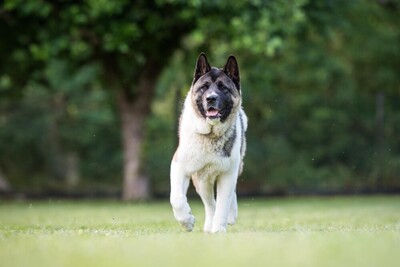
(212,113)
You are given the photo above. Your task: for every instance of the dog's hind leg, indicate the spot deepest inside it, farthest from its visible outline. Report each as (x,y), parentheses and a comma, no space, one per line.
(178,199)
(205,188)
(233,211)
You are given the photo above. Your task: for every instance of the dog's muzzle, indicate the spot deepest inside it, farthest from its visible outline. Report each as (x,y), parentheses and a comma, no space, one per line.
(212,106)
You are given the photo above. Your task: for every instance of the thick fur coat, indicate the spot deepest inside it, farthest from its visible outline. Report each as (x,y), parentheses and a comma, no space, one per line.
(211,146)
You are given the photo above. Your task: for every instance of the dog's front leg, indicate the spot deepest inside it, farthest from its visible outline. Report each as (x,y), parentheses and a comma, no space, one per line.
(179,185)
(225,192)
(205,188)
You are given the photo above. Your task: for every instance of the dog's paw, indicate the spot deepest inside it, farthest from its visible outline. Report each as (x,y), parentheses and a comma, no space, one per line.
(232,218)
(220,229)
(231,221)
(188,223)
(207,228)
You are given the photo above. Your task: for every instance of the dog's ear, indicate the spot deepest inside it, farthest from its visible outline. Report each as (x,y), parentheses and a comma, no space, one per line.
(202,67)
(232,70)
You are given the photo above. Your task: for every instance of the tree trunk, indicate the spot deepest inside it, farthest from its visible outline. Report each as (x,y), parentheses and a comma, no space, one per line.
(72,176)
(134,108)
(4,185)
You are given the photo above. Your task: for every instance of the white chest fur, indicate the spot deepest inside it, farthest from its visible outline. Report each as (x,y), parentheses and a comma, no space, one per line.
(202,147)
(203,157)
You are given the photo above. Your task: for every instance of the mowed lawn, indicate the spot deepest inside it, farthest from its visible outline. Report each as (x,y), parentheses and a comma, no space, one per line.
(334,231)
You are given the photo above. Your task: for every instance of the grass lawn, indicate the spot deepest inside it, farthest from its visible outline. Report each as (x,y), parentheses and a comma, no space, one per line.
(338,231)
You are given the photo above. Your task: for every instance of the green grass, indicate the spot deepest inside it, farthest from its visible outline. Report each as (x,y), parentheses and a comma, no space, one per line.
(340,231)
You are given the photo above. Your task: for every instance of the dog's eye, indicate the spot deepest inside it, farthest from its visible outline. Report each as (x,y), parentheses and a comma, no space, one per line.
(203,87)
(223,88)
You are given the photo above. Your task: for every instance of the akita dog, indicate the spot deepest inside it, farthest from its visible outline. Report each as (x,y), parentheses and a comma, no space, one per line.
(211,146)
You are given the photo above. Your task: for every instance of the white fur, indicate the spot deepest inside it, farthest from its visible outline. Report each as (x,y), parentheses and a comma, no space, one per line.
(196,158)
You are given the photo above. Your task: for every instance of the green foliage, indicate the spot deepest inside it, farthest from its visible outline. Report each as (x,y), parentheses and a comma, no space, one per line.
(55,118)
(311,73)
(312,103)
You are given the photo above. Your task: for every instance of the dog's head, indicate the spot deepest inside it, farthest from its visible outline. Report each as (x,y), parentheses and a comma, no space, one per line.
(216,92)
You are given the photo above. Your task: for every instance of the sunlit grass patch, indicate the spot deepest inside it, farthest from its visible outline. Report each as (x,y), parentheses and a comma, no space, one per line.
(342,231)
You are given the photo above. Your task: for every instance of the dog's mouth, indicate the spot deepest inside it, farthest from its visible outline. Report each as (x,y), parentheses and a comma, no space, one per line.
(213,113)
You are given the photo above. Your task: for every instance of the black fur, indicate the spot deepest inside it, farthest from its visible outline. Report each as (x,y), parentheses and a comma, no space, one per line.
(232,70)
(227,149)
(214,74)
(202,67)
(199,103)
(226,110)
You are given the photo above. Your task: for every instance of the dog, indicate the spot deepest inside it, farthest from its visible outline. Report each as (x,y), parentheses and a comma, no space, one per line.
(211,146)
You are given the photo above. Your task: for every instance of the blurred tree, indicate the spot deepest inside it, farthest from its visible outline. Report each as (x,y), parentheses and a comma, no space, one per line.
(4,184)
(50,137)
(322,89)
(320,86)
(311,101)
(132,43)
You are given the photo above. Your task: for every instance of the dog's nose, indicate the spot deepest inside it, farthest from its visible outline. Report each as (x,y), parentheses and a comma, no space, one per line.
(211,99)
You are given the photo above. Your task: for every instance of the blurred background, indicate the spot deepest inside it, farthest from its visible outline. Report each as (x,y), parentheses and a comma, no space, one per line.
(91,91)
